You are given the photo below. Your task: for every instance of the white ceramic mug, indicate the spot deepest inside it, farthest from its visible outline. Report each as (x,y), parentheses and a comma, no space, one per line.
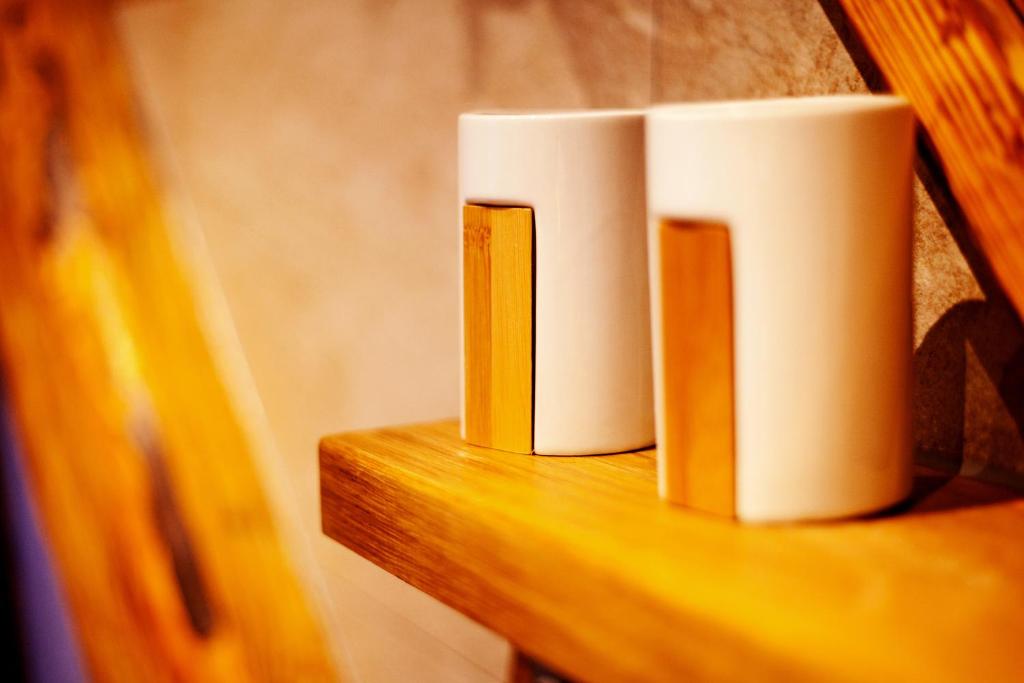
(581,173)
(815,197)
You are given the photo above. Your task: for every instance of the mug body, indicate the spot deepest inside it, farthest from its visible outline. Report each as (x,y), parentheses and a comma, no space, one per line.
(581,174)
(812,197)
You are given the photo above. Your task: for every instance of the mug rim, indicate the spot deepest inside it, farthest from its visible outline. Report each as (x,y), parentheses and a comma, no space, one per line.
(567,114)
(779,107)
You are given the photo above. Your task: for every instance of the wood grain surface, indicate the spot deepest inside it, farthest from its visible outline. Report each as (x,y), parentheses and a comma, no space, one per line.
(476,316)
(144,478)
(581,566)
(698,455)
(498,319)
(959,64)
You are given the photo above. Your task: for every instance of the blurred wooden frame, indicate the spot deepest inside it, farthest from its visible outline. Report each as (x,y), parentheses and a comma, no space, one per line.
(150,499)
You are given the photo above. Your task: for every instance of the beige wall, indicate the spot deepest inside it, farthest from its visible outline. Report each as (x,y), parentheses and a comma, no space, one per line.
(316,144)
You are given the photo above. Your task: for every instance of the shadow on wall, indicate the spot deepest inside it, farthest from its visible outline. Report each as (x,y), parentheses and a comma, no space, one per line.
(969,369)
(974,348)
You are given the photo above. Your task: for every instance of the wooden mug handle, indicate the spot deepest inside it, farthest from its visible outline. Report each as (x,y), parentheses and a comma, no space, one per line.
(698,454)
(497,253)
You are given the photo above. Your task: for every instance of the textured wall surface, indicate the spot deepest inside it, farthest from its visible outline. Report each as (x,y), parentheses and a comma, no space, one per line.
(315,143)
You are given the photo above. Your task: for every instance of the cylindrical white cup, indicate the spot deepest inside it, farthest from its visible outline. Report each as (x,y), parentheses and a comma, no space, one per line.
(582,174)
(816,196)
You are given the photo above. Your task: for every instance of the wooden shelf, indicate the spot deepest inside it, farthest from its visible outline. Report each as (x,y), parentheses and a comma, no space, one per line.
(579,564)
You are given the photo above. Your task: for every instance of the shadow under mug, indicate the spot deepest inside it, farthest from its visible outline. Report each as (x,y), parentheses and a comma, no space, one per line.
(553,274)
(780,240)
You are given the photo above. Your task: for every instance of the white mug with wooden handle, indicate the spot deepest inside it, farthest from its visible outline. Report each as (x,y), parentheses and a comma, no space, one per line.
(553,272)
(780,235)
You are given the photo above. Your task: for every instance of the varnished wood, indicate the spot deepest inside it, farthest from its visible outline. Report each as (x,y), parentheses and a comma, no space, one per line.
(698,456)
(142,473)
(959,64)
(498,315)
(578,563)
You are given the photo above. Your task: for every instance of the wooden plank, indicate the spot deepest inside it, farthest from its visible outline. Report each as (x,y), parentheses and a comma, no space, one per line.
(498,314)
(578,563)
(958,62)
(143,475)
(698,457)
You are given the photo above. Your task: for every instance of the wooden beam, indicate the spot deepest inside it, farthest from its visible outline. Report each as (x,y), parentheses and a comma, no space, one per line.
(959,63)
(140,467)
(698,467)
